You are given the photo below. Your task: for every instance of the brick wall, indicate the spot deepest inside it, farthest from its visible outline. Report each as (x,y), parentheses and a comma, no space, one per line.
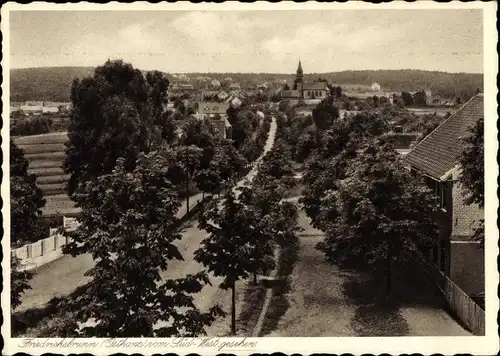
(465,217)
(466,257)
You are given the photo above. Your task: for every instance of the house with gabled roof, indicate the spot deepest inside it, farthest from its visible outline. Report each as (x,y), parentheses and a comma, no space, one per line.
(436,158)
(217,114)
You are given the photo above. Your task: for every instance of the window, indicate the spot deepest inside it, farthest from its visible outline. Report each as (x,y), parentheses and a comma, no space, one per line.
(440,191)
(444,194)
(308,93)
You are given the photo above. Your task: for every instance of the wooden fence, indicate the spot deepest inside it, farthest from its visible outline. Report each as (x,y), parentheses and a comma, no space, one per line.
(468,311)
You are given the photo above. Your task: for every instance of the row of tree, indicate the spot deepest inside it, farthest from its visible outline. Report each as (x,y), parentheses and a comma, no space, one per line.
(418,99)
(126,163)
(128,223)
(372,210)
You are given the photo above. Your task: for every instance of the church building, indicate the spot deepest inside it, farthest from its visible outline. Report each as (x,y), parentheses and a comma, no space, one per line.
(303,90)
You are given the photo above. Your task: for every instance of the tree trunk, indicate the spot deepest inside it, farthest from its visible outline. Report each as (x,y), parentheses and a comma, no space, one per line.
(255,278)
(202,195)
(187,196)
(389,271)
(233,308)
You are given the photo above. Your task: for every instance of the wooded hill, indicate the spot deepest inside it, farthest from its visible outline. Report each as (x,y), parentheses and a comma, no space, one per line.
(54,83)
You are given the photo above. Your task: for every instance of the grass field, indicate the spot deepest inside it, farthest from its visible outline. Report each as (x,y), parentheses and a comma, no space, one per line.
(52,189)
(62,207)
(42,148)
(39,164)
(55,137)
(56,157)
(45,154)
(52,179)
(47,171)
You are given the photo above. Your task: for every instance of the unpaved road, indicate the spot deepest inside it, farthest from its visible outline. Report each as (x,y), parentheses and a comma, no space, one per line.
(328,301)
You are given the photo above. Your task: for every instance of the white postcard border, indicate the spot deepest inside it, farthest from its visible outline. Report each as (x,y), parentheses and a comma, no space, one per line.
(479,345)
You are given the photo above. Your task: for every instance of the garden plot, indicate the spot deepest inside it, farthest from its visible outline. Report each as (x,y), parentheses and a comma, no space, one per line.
(55,137)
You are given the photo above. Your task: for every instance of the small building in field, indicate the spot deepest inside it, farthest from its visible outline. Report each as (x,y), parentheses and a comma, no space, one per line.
(436,158)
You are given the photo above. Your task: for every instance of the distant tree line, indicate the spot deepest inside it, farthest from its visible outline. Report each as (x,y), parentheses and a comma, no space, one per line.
(53,84)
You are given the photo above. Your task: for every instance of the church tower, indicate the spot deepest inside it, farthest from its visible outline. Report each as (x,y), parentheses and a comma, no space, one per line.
(299,80)
(300,73)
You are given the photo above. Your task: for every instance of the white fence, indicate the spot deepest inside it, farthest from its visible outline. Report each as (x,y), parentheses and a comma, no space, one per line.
(40,252)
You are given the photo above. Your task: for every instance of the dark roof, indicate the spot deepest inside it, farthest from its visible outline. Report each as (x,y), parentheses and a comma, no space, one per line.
(403,140)
(439,151)
(290,93)
(315,86)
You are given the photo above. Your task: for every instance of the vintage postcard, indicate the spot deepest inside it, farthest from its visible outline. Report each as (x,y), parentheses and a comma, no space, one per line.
(250,178)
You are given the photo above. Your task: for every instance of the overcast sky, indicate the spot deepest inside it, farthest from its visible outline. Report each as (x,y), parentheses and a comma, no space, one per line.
(257,41)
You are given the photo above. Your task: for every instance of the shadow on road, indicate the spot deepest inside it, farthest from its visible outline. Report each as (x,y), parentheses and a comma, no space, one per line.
(379,314)
(375,315)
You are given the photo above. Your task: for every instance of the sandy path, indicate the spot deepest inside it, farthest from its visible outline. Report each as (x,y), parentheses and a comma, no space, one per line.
(328,301)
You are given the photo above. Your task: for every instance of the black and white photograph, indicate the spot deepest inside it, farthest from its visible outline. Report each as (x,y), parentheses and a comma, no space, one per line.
(213,178)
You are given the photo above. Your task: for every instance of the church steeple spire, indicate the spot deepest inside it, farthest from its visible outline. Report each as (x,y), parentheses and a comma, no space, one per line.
(300,73)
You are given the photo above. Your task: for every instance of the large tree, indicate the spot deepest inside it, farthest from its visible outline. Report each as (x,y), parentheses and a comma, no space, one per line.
(113,115)
(305,145)
(19,282)
(472,177)
(187,164)
(278,162)
(26,198)
(159,118)
(202,134)
(226,251)
(382,213)
(325,113)
(128,225)
(420,98)
(407,98)
(241,125)
(329,160)
(276,219)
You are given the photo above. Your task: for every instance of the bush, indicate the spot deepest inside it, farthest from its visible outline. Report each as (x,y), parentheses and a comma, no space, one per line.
(45,321)
(34,126)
